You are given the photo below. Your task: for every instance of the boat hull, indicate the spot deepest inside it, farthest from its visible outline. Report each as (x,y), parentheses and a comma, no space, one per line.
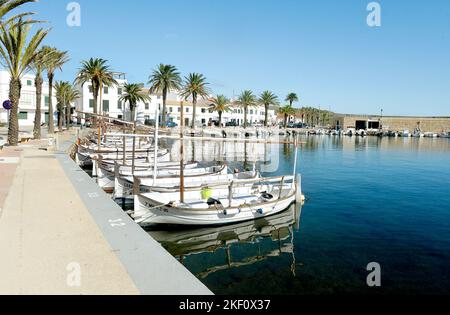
(149,214)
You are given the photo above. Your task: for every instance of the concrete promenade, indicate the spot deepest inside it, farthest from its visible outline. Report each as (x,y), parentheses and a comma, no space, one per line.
(60,234)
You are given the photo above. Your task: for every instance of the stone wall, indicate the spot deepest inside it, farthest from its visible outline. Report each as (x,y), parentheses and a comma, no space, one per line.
(397,123)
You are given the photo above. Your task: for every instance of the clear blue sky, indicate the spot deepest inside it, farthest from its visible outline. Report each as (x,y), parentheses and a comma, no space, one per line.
(322,49)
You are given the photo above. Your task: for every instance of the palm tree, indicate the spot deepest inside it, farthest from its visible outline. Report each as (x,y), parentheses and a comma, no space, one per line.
(38,67)
(220,104)
(195,85)
(99,74)
(66,94)
(54,60)
(6,6)
(134,93)
(17,55)
(245,100)
(291,98)
(163,80)
(267,99)
(287,111)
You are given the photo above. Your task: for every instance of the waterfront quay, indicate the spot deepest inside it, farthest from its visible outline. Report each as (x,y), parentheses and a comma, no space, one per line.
(61,234)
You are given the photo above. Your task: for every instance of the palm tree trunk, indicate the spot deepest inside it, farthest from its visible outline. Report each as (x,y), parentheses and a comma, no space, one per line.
(68,114)
(194,103)
(285,120)
(245,117)
(51,120)
(37,117)
(95,94)
(266,116)
(164,112)
(220,119)
(60,118)
(14,95)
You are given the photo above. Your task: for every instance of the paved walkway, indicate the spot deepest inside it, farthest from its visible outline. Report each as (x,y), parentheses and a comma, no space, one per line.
(60,234)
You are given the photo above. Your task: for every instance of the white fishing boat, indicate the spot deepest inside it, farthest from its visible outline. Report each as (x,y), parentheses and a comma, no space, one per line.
(236,203)
(404,134)
(107,177)
(125,186)
(430,135)
(445,135)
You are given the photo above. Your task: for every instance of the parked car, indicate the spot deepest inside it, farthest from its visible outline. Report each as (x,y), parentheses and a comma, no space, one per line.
(171,124)
(231,124)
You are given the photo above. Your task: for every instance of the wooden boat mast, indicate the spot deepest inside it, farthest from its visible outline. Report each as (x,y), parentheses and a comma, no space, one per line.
(155,158)
(181,153)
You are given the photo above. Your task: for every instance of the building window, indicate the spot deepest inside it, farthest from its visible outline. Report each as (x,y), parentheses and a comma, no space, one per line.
(29,82)
(179,109)
(158,97)
(119,105)
(251,111)
(23,116)
(203,110)
(119,91)
(147,106)
(187,109)
(91,89)
(91,103)
(46,101)
(105,90)
(106,106)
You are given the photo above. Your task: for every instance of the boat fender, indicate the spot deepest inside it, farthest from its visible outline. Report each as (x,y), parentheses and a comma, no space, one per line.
(213,202)
(260,211)
(267,196)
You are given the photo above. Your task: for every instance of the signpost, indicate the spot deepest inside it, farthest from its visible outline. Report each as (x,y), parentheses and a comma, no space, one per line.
(7,105)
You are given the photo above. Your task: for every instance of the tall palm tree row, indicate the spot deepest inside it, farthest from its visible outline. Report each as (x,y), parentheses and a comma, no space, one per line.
(53,61)
(164,78)
(268,99)
(246,100)
(65,94)
(133,94)
(195,86)
(220,104)
(18,50)
(98,73)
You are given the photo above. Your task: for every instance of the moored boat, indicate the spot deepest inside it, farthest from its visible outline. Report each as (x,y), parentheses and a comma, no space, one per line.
(236,203)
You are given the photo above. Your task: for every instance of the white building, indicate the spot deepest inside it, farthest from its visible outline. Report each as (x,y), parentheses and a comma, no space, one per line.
(111,106)
(27,103)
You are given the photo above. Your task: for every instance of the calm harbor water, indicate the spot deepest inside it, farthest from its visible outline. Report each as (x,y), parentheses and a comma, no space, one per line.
(368,200)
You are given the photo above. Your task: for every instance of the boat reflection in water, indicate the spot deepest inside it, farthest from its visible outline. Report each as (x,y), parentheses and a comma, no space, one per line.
(278,228)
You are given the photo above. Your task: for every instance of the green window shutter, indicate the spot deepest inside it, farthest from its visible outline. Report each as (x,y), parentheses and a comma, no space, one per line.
(106,105)
(23,116)
(91,103)
(119,105)
(46,101)
(105,90)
